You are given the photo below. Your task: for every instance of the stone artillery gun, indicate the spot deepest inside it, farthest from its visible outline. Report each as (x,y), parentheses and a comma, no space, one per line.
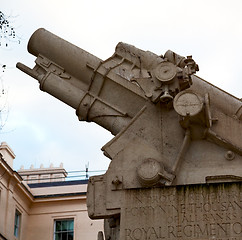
(171,129)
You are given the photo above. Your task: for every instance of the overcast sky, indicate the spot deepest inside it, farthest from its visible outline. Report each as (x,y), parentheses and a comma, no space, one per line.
(42,130)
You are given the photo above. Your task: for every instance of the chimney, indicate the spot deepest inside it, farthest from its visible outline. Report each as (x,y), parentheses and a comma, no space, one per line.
(8,154)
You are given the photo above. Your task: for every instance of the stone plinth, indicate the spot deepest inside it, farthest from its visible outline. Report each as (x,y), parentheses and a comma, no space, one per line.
(206,211)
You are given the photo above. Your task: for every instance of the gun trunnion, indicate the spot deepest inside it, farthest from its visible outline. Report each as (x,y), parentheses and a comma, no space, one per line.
(171,127)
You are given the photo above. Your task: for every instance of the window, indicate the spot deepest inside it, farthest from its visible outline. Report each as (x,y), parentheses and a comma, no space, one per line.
(17,223)
(64,229)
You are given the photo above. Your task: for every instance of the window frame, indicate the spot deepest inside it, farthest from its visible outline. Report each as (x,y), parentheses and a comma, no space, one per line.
(17,223)
(1,191)
(67,231)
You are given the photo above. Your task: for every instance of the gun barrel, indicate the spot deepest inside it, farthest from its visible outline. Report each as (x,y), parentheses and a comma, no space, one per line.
(72,58)
(84,81)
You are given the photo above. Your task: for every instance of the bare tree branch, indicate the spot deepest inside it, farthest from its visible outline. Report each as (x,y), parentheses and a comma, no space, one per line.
(7,31)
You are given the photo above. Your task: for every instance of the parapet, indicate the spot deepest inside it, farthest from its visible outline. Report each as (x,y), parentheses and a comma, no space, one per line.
(40,175)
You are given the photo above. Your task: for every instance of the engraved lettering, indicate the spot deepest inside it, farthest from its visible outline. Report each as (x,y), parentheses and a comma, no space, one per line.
(224,228)
(199,231)
(218,215)
(137,234)
(179,230)
(138,199)
(145,232)
(171,231)
(230,206)
(237,204)
(212,229)
(190,213)
(237,228)
(183,208)
(223,205)
(127,234)
(187,230)
(161,208)
(207,207)
(198,207)
(153,232)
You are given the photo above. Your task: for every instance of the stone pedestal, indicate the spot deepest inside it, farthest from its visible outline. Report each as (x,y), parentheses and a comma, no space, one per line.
(201,211)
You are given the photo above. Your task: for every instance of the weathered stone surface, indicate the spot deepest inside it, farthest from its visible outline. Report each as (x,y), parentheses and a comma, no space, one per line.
(212,211)
(171,128)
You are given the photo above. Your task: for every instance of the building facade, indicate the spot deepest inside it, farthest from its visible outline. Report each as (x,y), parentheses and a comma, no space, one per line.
(40,209)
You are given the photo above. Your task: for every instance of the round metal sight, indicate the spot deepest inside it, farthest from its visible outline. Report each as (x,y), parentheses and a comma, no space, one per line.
(187,103)
(148,172)
(165,72)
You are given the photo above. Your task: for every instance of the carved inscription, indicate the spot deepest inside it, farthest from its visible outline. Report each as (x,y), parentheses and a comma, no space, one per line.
(183,212)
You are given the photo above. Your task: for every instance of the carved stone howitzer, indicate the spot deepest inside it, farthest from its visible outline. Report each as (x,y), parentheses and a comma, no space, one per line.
(171,127)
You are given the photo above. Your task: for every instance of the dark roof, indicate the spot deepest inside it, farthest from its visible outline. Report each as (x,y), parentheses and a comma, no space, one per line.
(57,184)
(61,195)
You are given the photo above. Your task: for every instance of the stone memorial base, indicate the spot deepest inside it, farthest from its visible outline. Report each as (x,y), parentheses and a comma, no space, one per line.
(201,211)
